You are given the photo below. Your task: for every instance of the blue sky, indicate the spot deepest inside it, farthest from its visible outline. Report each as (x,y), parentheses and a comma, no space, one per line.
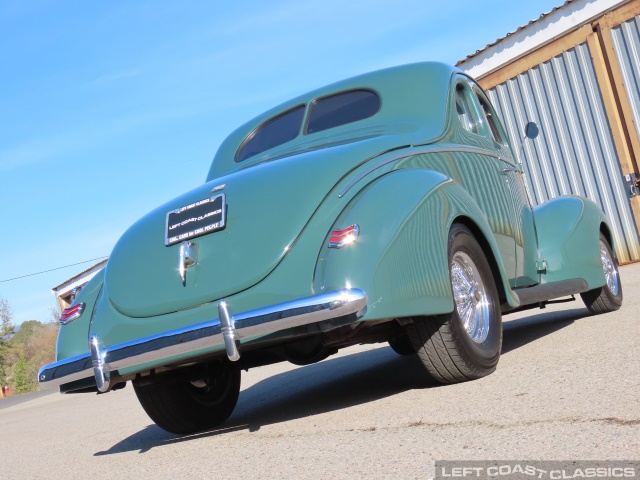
(108,109)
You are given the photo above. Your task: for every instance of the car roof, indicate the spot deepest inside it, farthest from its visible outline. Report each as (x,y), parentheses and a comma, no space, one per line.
(413,111)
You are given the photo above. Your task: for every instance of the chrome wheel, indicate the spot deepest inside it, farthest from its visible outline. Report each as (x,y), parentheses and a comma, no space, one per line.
(610,270)
(608,297)
(470,295)
(464,344)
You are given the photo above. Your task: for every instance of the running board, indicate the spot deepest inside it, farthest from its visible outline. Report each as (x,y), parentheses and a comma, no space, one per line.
(549,291)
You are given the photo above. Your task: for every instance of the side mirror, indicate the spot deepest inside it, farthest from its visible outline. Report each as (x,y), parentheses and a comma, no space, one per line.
(531,130)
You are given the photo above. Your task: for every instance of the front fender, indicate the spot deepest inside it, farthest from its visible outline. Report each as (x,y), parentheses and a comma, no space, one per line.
(568,239)
(401,256)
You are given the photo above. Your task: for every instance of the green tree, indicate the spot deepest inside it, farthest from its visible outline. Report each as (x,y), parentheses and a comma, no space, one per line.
(24,379)
(24,351)
(6,320)
(6,333)
(31,347)
(27,330)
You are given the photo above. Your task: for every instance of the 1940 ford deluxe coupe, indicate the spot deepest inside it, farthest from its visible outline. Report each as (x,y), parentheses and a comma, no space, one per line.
(387,207)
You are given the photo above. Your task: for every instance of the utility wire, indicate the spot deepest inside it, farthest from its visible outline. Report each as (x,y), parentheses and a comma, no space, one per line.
(53,269)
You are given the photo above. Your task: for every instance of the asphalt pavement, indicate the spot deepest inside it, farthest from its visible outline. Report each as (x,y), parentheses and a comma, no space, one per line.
(567,388)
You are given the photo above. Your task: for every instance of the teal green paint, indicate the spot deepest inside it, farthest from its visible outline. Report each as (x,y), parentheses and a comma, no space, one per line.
(73,338)
(413,112)
(400,257)
(527,249)
(468,212)
(274,248)
(142,277)
(568,235)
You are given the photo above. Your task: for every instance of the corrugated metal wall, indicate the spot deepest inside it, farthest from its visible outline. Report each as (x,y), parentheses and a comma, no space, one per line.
(574,153)
(626,41)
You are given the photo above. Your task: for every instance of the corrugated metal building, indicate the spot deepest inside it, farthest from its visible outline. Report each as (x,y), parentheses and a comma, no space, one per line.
(575,71)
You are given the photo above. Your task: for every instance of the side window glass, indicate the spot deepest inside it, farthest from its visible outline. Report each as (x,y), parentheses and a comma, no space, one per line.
(463,109)
(272,133)
(492,121)
(343,108)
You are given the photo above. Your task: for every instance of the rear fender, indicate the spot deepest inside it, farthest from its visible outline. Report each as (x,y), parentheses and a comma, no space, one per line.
(568,238)
(401,255)
(73,338)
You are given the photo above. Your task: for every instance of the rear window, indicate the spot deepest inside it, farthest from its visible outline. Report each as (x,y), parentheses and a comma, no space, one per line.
(324,113)
(276,131)
(343,108)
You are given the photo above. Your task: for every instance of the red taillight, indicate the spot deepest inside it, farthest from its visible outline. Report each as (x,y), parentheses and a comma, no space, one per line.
(71,313)
(340,238)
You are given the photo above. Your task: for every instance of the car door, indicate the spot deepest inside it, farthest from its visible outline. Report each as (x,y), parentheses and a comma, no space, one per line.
(523,223)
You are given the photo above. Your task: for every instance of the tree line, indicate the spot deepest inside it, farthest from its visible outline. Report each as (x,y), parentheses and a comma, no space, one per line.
(23,351)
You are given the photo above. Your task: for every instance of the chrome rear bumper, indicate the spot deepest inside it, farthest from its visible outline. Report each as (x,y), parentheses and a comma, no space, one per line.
(103,363)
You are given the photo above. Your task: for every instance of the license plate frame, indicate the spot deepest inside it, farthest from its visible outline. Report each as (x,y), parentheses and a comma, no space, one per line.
(199,218)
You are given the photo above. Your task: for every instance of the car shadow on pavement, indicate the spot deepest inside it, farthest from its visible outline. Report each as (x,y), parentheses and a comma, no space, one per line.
(336,384)
(330,385)
(518,333)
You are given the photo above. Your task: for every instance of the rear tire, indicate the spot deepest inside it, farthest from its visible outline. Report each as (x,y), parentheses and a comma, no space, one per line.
(607,298)
(402,345)
(185,406)
(465,344)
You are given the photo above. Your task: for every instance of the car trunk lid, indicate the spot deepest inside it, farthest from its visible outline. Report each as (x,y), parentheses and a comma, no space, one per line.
(267,206)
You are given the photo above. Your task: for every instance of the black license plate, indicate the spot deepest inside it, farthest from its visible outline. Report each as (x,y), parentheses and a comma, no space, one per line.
(199,218)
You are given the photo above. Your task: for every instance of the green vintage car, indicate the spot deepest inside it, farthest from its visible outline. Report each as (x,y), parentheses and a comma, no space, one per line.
(384,208)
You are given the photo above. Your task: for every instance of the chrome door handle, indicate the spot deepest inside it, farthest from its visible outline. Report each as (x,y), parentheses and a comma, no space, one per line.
(510,169)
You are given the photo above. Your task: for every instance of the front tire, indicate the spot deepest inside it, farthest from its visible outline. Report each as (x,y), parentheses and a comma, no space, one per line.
(465,344)
(607,298)
(184,406)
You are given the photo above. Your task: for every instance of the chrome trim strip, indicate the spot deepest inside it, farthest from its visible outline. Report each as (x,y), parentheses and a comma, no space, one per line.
(442,149)
(103,363)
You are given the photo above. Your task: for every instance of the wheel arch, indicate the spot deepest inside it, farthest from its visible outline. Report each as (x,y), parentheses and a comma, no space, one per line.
(499,278)
(403,277)
(606,231)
